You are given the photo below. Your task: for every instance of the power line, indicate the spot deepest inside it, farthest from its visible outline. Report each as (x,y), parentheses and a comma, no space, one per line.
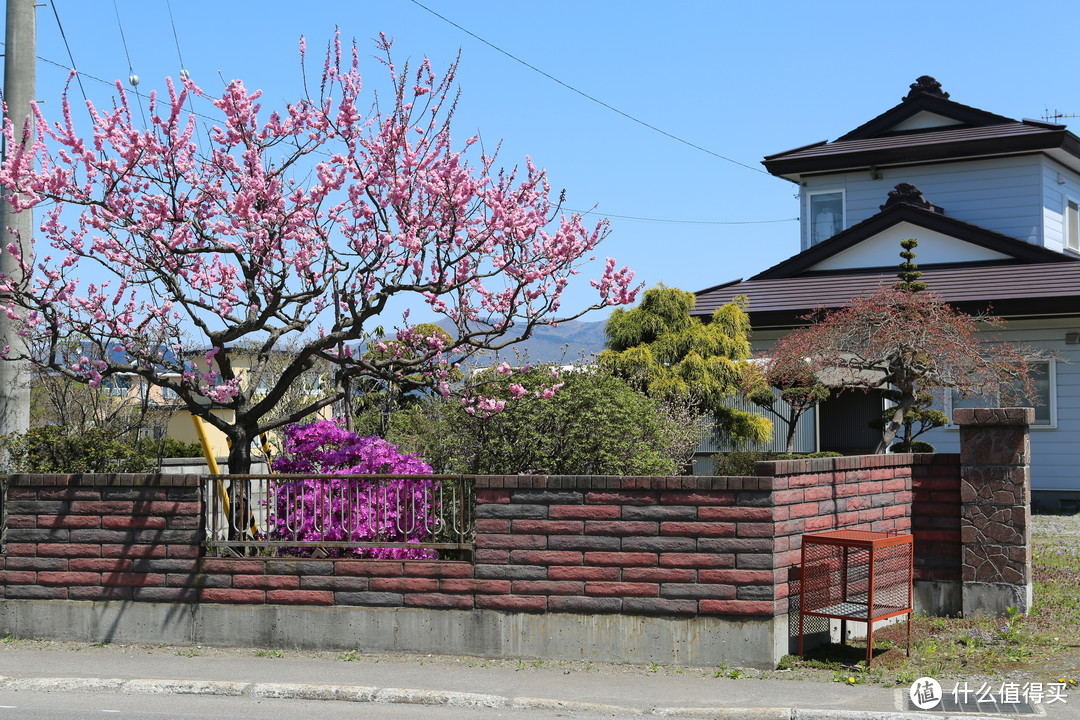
(176,38)
(636,218)
(132,77)
(626,115)
(112,84)
(63,35)
(681,222)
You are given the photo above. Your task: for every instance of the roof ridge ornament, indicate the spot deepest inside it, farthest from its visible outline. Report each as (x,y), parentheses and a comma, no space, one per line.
(926,85)
(908,194)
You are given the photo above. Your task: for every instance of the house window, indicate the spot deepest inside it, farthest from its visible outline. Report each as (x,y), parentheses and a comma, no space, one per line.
(826,214)
(117,384)
(1072,224)
(1044,380)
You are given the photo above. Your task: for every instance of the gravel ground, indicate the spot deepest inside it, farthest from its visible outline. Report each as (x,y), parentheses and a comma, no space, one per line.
(1059,525)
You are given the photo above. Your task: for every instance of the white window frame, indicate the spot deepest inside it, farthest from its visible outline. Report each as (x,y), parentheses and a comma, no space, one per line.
(116,388)
(1070,237)
(1051,373)
(811,240)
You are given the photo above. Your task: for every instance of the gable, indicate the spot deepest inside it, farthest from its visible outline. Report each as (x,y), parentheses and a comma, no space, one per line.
(925,103)
(924,120)
(882,250)
(916,221)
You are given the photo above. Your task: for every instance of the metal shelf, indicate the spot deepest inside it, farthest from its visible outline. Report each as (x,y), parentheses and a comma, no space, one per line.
(856,575)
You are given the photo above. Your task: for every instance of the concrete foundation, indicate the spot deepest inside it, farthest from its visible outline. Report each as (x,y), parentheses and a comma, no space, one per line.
(692,641)
(983,598)
(933,597)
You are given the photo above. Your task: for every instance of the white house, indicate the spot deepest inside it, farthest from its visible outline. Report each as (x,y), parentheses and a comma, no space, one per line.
(995,206)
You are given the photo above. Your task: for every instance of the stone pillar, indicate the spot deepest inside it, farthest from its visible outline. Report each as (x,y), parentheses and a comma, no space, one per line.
(995,496)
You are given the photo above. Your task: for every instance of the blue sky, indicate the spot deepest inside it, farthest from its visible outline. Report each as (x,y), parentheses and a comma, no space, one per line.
(742,80)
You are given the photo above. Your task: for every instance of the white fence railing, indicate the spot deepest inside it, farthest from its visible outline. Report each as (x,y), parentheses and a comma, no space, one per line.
(340,516)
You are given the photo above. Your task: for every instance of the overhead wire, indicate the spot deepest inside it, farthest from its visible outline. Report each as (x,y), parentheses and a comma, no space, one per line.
(176,38)
(112,84)
(71,57)
(681,222)
(183,66)
(581,212)
(132,77)
(584,94)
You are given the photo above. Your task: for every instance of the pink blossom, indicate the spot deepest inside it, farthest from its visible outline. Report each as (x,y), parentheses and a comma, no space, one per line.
(287,231)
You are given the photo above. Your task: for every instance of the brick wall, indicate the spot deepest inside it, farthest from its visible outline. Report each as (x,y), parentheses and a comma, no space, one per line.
(669,546)
(673,546)
(935,517)
(681,546)
(101,537)
(868,492)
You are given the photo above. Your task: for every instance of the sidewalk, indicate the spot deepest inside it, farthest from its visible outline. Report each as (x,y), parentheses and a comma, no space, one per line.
(620,690)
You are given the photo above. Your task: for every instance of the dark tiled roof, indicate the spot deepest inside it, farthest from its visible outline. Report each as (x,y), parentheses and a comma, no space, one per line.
(1038,289)
(923,102)
(989,140)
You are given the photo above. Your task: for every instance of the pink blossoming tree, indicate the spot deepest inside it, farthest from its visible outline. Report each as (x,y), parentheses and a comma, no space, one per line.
(289,229)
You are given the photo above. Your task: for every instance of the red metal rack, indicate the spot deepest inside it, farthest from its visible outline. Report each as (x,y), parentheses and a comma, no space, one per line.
(856,575)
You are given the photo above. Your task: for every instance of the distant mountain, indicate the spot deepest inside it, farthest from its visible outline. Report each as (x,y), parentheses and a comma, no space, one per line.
(569,342)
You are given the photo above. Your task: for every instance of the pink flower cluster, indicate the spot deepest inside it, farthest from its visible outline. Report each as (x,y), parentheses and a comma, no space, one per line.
(285,229)
(395,510)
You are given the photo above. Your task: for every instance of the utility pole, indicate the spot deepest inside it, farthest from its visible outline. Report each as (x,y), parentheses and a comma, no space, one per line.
(16,228)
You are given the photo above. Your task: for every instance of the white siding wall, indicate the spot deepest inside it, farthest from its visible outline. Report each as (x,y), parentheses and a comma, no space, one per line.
(1059,183)
(1001,194)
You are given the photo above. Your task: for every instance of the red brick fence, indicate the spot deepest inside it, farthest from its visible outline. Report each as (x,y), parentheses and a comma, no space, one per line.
(684,569)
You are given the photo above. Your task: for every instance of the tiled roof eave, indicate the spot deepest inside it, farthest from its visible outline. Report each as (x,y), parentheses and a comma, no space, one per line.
(1044,289)
(858,154)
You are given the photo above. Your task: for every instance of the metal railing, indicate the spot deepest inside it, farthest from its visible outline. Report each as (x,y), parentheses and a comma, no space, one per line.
(340,516)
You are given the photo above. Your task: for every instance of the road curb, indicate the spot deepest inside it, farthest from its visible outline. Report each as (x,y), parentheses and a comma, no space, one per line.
(413,696)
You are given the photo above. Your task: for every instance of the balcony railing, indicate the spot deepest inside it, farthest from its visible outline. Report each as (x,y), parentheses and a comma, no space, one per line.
(340,516)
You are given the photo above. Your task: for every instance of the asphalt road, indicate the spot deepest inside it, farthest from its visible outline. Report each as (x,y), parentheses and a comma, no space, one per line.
(103,706)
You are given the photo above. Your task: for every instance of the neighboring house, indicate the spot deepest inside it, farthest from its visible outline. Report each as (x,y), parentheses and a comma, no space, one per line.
(995,206)
(124,402)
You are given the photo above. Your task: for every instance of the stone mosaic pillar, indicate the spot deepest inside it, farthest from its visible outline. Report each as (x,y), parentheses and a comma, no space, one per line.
(995,496)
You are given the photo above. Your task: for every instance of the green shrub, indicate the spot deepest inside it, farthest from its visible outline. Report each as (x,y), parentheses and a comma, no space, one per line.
(58,449)
(173,448)
(917,446)
(596,424)
(741,462)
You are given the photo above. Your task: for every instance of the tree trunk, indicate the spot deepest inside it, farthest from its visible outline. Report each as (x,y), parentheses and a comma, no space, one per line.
(240,455)
(240,520)
(892,427)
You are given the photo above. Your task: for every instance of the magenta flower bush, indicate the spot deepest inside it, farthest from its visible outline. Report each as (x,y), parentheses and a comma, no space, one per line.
(397,510)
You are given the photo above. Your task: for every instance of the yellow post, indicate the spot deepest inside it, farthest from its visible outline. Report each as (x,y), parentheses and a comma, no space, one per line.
(266,451)
(211,463)
(204,440)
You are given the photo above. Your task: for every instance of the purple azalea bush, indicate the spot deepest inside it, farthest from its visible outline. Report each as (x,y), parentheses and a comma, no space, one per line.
(397,510)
